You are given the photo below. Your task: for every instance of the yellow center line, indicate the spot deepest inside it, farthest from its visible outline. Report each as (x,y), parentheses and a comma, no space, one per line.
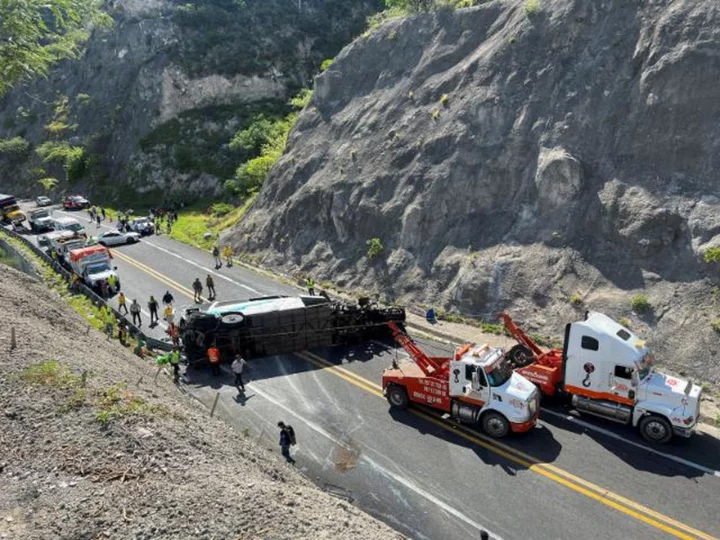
(551,472)
(547,470)
(166,280)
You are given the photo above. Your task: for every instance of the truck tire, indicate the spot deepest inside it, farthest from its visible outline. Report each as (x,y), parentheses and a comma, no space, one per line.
(520,356)
(397,397)
(655,429)
(495,424)
(231,320)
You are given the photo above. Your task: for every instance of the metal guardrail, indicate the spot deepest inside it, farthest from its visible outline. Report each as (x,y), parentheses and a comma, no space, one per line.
(87,291)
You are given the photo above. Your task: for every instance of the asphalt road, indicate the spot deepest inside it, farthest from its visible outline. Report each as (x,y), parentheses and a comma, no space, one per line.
(569,478)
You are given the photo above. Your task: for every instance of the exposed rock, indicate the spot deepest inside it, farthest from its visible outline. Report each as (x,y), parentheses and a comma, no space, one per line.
(506,160)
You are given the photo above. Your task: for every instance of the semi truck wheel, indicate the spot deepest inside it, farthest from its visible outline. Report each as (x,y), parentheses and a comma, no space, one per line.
(495,424)
(655,429)
(397,397)
(520,356)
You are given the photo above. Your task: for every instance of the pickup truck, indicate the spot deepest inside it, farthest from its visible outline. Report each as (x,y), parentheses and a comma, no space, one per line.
(40,220)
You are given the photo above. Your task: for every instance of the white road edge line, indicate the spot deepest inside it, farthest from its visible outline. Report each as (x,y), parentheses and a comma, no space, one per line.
(615,436)
(205,269)
(405,482)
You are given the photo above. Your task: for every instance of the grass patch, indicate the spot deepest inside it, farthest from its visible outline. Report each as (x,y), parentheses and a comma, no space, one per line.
(576,299)
(624,321)
(50,373)
(716,325)
(640,303)
(195,221)
(117,401)
(57,283)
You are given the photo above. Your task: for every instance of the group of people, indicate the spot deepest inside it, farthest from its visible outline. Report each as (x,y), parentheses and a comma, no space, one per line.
(97,215)
(197,288)
(227,254)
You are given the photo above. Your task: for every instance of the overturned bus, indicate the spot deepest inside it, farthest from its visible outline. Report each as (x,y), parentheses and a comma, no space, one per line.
(274,325)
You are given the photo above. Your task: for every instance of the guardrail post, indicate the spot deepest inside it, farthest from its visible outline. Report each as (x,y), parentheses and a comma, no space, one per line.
(217,397)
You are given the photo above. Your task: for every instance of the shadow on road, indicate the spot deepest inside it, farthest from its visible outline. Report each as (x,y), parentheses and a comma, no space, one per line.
(701,448)
(539,442)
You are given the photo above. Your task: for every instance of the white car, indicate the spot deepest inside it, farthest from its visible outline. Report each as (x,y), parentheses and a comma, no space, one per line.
(116,238)
(43,201)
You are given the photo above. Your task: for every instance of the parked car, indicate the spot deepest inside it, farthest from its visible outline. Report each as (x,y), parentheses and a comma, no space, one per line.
(116,238)
(75,202)
(42,200)
(142,225)
(40,220)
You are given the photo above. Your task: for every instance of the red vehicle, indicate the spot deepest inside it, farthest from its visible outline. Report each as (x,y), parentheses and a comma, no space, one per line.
(75,202)
(475,386)
(607,371)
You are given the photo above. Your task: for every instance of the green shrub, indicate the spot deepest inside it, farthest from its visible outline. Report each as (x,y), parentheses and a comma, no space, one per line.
(444,100)
(14,147)
(435,114)
(716,325)
(221,209)
(532,7)
(302,99)
(712,254)
(326,64)
(260,131)
(624,321)
(375,248)
(640,303)
(576,299)
(48,184)
(83,99)
(72,158)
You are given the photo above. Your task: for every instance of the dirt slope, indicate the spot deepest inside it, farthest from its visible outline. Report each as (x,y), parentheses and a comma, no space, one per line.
(541,160)
(160,468)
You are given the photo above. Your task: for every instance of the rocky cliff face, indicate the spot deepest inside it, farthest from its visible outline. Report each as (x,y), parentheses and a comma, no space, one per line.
(155,100)
(543,161)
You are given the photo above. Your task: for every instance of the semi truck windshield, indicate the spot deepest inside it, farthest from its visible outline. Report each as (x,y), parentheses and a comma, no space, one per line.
(498,373)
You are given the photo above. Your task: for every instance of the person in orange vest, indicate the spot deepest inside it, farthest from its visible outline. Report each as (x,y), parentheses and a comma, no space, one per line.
(213,354)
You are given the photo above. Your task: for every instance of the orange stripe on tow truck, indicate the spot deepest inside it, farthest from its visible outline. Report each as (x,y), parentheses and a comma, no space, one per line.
(599,395)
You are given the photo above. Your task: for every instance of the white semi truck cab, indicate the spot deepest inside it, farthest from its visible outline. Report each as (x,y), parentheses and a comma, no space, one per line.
(609,372)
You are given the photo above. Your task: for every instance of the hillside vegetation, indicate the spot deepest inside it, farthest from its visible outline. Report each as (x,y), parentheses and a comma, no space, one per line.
(544,157)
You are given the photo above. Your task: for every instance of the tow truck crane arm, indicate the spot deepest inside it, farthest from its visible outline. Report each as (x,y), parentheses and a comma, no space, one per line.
(519,335)
(431,366)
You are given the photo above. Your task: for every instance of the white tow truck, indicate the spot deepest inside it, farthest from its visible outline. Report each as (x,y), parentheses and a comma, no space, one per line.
(607,371)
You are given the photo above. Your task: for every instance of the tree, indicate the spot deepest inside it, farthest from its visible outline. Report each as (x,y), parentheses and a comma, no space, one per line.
(48,184)
(34,34)
(411,5)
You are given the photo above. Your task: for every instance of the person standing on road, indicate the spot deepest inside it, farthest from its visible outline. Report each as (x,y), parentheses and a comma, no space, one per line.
(121,303)
(227,254)
(174,332)
(153,307)
(237,367)
(104,289)
(113,282)
(102,211)
(310,284)
(135,312)
(213,354)
(197,290)
(216,255)
(210,283)
(97,221)
(168,314)
(287,438)
(168,298)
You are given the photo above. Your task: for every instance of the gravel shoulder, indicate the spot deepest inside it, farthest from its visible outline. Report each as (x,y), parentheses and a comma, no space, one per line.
(126,455)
